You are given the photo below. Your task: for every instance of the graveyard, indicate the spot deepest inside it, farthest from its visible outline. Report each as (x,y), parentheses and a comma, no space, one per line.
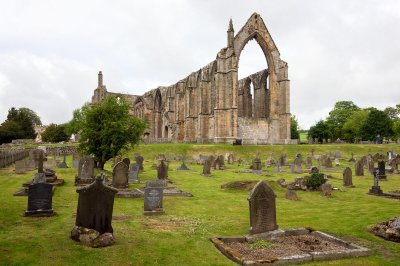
(181,234)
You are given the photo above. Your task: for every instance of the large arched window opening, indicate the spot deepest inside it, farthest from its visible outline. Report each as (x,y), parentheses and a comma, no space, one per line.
(253,83)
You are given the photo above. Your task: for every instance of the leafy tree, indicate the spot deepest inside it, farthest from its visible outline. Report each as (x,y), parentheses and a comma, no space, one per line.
(18,125)
(320,131)
(377,123)
(108,128)
(338,116)
(75,125)
(352,128)
(294,127)
(55,133)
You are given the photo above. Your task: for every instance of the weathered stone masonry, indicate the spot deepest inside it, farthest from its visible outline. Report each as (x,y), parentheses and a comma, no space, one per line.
(212,105)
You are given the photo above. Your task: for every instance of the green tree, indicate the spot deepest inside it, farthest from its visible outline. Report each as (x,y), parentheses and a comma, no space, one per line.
(352,128)
(319,131)
(108,128)
(75,125)
(18,125)
(55,133)
(338,116)
(294,127)
(377,123)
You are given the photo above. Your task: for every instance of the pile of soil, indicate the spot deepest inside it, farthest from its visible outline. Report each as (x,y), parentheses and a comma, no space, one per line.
(285,246)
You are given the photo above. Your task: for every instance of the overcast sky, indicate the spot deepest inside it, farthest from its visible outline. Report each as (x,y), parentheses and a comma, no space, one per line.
(51,51)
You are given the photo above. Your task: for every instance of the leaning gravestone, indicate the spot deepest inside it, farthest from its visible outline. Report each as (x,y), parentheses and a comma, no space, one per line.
(347,177)
(153,199)
(162,171)
(94,214)
(120,175)
(85,171)
(133,173)
(359,168)
(262,209)
(40,195)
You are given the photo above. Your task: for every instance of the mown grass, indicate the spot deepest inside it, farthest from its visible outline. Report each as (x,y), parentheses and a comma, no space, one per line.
(181,236)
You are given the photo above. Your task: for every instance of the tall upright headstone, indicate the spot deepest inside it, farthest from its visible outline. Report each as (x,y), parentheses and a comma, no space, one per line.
(85,171)
(359,168)
(162,171)
(347,177)
(262,209)
(120,175)
(95,208)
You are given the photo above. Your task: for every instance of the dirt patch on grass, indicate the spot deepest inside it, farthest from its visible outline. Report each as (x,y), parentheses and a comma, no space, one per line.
(284,246)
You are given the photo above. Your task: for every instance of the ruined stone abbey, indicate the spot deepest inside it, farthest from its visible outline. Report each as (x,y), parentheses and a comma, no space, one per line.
(212,106)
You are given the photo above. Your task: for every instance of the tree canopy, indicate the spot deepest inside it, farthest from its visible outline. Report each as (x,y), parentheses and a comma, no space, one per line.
(18,125)
(107,128)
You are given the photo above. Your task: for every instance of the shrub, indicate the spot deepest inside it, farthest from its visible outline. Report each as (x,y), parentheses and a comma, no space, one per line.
(314,181)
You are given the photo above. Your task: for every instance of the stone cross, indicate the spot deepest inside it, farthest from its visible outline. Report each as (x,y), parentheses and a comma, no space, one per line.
(262,209)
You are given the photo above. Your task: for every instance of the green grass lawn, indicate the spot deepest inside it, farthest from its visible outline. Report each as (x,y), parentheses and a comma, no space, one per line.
(181,236)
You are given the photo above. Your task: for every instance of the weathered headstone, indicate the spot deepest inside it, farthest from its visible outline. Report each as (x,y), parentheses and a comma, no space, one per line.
(162,171)
(120,175)
(85,171)
(133,172)
(139,160)
(153,201)
(94,212)
(347,177)
(359,168)
(207,167)
(262,209)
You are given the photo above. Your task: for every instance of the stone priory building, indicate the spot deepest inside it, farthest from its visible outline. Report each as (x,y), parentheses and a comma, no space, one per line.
(212,106)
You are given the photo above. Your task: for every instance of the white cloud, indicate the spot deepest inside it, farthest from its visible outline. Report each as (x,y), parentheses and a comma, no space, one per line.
(50,51)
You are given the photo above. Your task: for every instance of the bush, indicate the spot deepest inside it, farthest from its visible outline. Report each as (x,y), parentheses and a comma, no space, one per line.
(314,181)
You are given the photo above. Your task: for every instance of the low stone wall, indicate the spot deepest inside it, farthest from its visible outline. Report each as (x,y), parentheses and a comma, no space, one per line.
(8,157)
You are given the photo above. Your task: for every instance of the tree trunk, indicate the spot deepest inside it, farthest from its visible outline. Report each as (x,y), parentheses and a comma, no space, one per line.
(101,165)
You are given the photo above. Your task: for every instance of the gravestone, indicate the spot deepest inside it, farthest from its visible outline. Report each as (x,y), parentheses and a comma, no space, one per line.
(64,163)
(183,166)
(133,172)
(382,170)
(256,164)
(120,175)
(328,162)
(95,208)
(262,209)
(352,160)
(296,167)
(40,195)
(308,162)
(162,171)
(359,168)
(376,189)
(153,201)
(139,160)
(347,177)
(85,171)
(207,167)
(127,161)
